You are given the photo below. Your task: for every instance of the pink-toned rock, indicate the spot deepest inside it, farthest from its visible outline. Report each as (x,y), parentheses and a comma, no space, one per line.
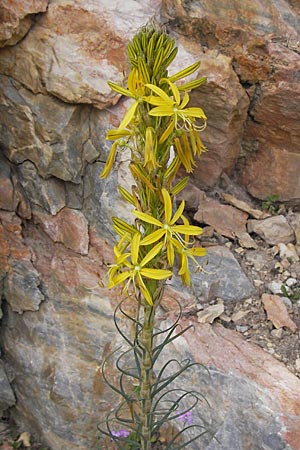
(16,18)
(225,219)
(69,227)
(277,312)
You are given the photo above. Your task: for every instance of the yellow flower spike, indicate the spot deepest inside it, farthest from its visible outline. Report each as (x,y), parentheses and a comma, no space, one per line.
(110,160)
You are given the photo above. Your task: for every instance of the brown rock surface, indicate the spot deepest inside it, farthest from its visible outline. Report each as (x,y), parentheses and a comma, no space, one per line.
(16,18)
(69,227)
(225,219)
(58,325)
(80,46)
(277,312)
(225,103)
(273,132)
(264,46)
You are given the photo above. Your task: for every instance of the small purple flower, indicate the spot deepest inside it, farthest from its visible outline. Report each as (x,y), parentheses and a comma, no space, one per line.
(122,433)
(186,417)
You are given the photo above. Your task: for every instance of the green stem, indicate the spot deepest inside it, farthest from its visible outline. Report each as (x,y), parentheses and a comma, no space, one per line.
(147,373)
(147,376)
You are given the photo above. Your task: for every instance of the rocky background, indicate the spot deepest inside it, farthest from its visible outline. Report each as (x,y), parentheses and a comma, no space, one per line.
(55,229)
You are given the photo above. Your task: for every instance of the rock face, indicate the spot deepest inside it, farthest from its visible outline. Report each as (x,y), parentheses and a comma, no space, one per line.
(252,99)
(55,212)
(233,389)
(17,18)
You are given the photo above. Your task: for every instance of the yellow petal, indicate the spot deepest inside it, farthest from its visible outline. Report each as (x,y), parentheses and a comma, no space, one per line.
(156,274)
(150,150)
(167,132)
(195,112)
(184,265)
(185,100)
(129,115)
(178,213)
(186,278)
(135,246)
(110,160)
(153,237)
(168,205)
(162,111)
(151,254)
(120,278)
(198,251)
(190,230)
(112,135)
(120,90)
(160,93)
(174,89)
(154,100)
(147,218)
(170,254)
(144,290)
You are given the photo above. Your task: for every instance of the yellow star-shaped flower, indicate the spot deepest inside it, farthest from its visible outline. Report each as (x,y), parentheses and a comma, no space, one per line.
(168,229)
(173,107)
(136,270)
